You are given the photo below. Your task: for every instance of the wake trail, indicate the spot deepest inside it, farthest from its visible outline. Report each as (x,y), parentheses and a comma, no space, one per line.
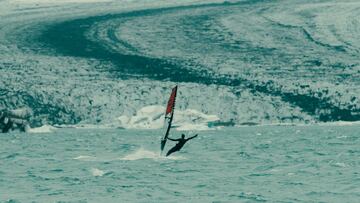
(132,156)
(147,154)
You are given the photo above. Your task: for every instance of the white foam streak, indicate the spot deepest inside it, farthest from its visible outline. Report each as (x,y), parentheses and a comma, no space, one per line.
(146,154)
(341,123)
(152,117)
(85,158)
(42,129)
(97,172)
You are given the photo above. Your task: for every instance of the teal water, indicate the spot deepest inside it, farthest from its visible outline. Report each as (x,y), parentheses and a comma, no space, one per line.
(264,60)
(249,164)
(244,61)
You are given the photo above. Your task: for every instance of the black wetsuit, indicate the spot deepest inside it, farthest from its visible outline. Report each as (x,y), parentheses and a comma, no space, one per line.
(179,145)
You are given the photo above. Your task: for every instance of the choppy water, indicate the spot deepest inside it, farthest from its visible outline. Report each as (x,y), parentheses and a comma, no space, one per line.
(249,164)
(266,61)
(246,61)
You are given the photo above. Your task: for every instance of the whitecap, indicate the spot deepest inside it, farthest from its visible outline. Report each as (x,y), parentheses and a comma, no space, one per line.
(42,129)
(146,154)
(97,172)
(341,123)
(195,127)
(339,164)
(85,158)
(152,117)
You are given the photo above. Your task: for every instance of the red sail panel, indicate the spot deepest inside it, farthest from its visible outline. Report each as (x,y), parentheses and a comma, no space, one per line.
(171,102)
(168,117)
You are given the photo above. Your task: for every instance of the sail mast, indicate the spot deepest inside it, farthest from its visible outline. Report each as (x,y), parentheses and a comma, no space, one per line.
(169,114)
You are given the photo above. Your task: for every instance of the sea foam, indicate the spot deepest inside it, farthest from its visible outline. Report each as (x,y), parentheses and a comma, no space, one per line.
(152,117)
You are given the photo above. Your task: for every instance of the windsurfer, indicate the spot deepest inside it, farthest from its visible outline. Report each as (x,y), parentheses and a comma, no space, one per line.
(181,141)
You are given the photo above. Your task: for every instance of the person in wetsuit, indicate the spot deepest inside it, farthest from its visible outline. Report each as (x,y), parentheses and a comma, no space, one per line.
(181,141)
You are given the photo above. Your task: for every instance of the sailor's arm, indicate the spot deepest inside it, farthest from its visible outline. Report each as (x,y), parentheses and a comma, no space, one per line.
(192,137)
(172,139)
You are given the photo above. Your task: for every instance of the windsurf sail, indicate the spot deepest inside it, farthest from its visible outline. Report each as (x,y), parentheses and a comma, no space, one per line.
(169,114)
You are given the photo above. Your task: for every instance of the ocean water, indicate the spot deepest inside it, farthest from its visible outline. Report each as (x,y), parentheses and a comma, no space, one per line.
(247,164)
(91,67)
(264,61)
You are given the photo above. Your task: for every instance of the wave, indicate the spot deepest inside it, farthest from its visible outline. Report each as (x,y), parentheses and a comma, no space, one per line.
(146,154)
(42,129)
(97,172)
(341,123)
(85,158)
(146,123)
(237,61)
(139,154)
(152,117)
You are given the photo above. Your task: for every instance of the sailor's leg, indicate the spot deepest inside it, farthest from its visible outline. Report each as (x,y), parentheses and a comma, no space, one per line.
(172,150)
